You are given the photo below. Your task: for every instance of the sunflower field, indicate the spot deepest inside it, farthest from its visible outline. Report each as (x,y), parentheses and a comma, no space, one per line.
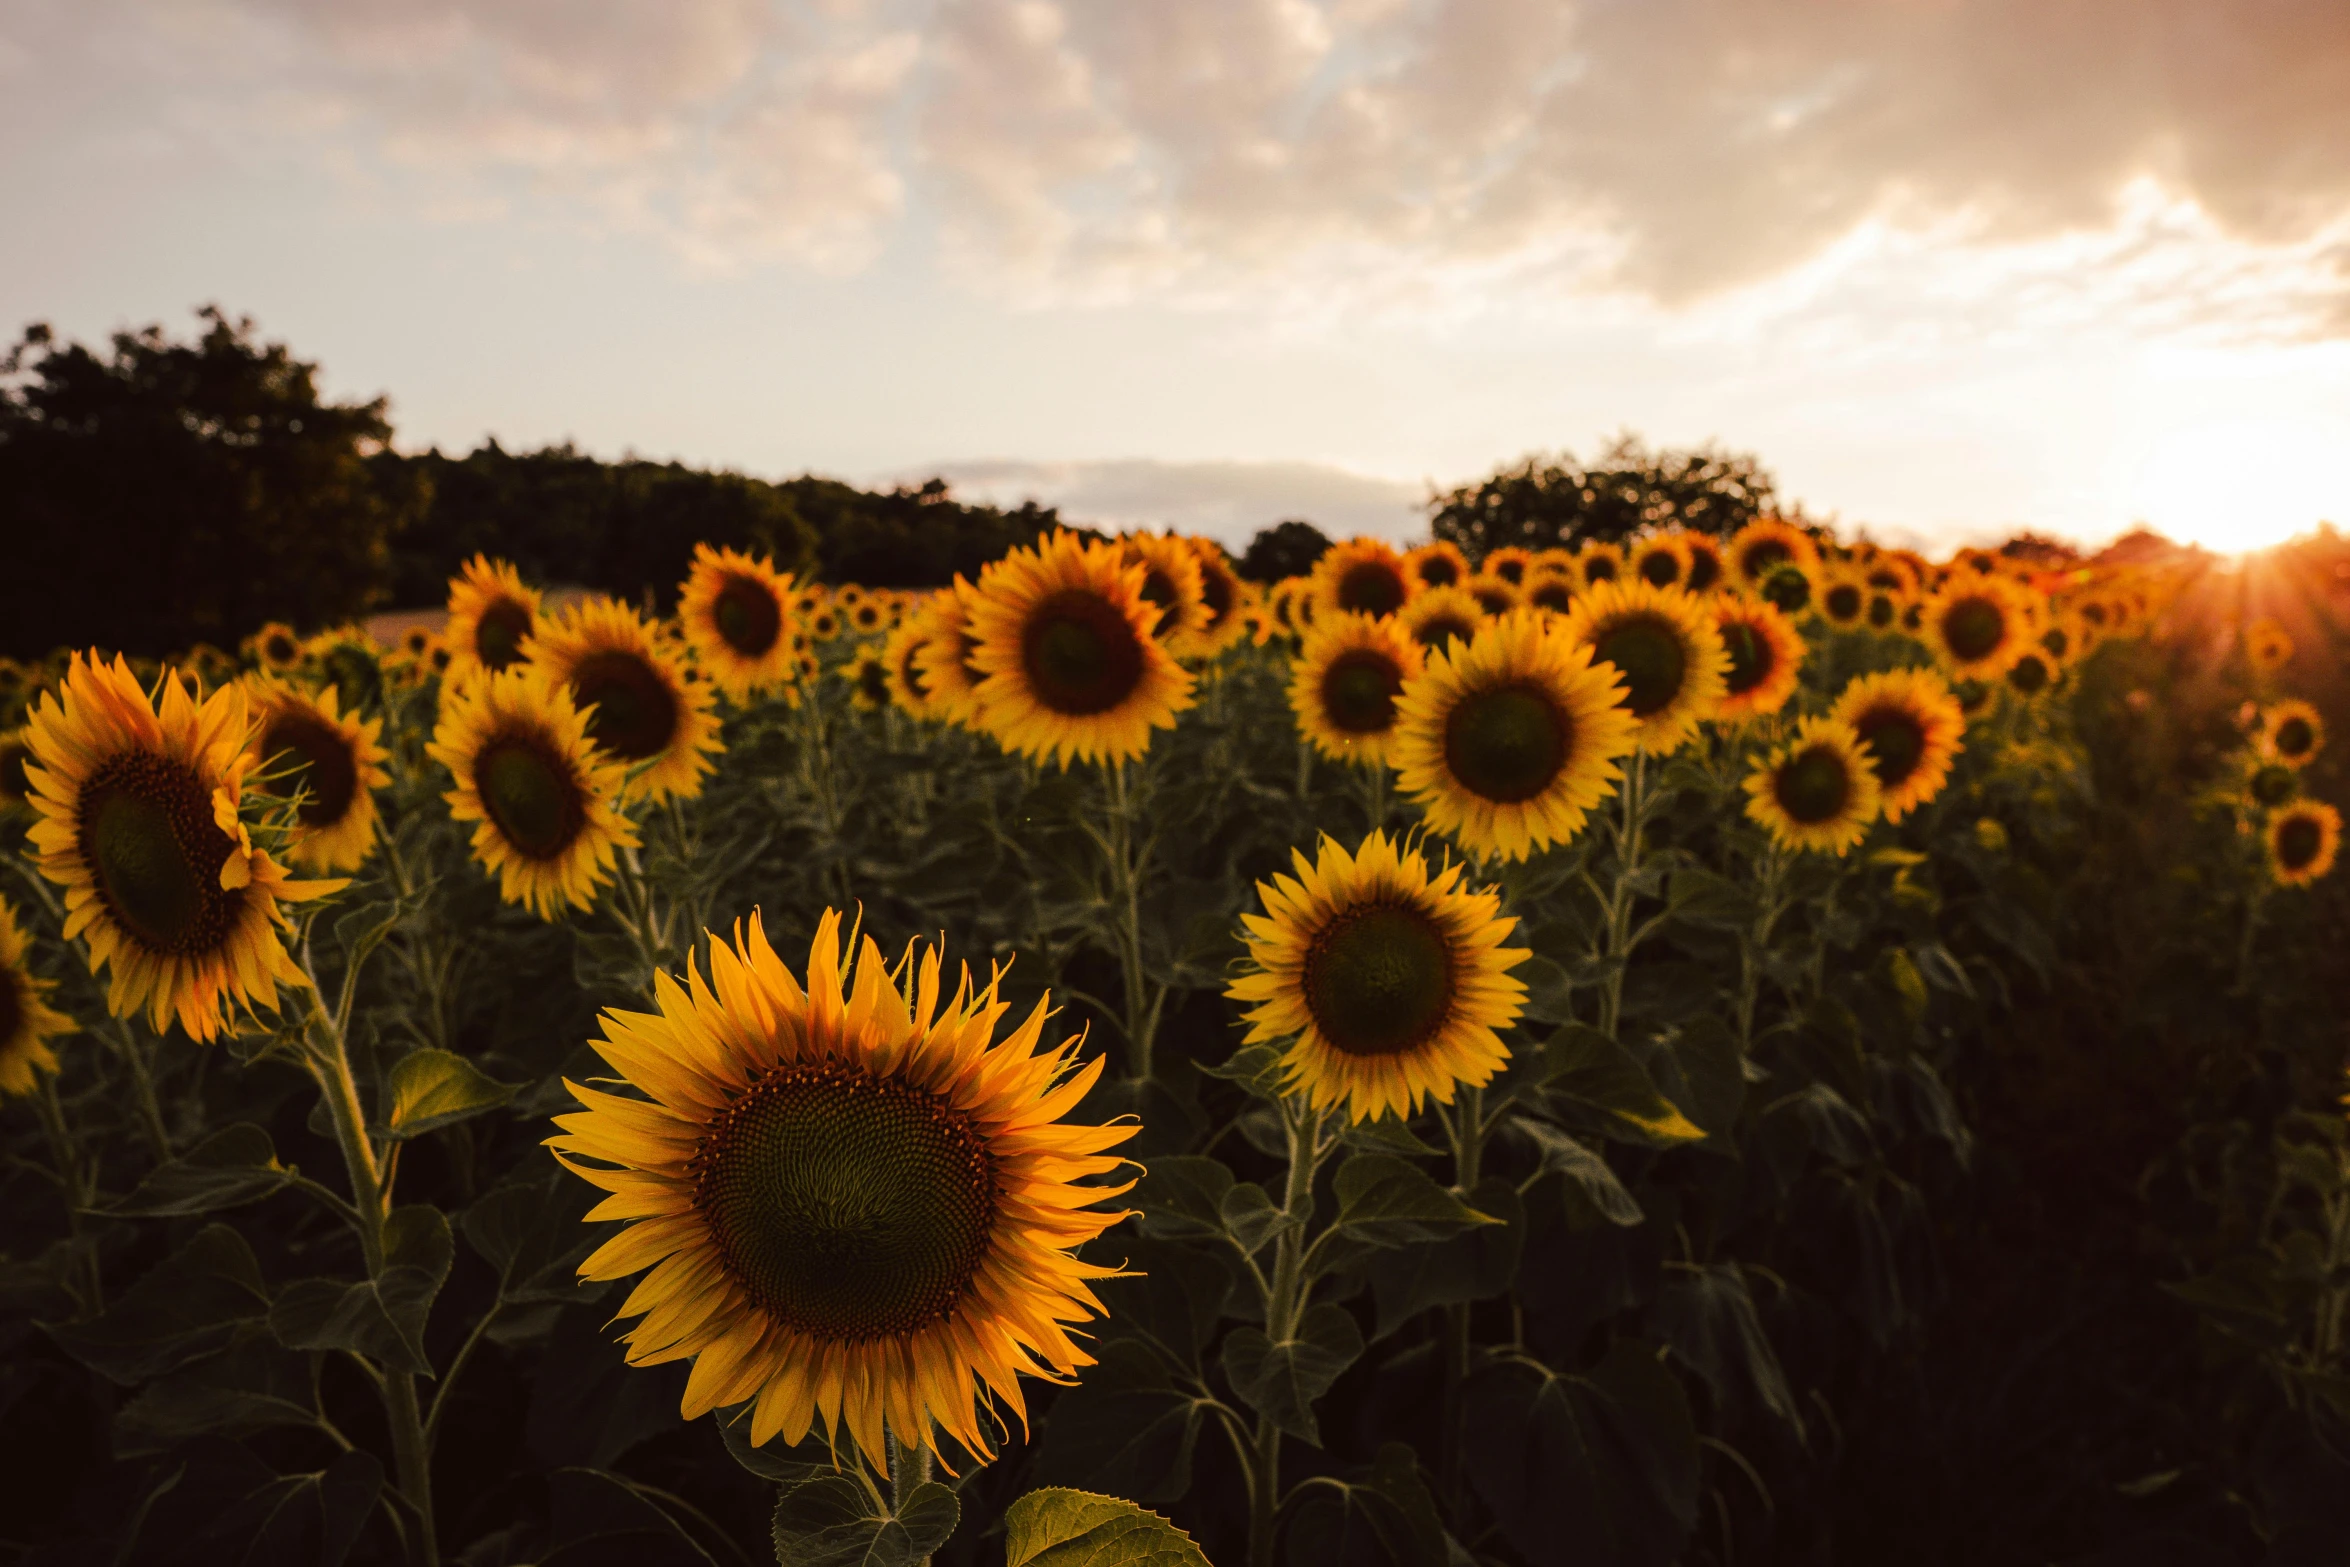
(1700,1050)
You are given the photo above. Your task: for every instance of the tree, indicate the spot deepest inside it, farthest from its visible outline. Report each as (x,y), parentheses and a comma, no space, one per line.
(916,536)
(1544,502)
(169,493)
(1287,549)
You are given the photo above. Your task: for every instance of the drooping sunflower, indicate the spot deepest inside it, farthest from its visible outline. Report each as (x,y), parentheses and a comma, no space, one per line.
(2268,647)
(542,792)
(1493,595)
(1509,562)
(27,1021)
(859,1207)
(1508,740)
(868,677)
(1666,647)
(275,648)
(735,610)
(1597,561)
(1438,616)
(1390,983)
(1070,668)
(1913,727)
(1818,791)
(1223,596)
(1843,599)
(1763,546)
(2303,839)
(1978,626)
(2292,733)
(1439,564)
(1661,559)
(491,614)
(903,656)
(138,807)
(1172,589)
(1706,566)
(1766,656)
(642,710)
(1363,576)
(308,746)
(1343,686)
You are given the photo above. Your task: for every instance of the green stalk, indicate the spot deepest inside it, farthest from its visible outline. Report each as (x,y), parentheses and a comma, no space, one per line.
(1125,862)
(1284,1303)
(1774,867)
(77,1181)
(1465,1122)
(909,1470)
(1630,830)
(150,1108)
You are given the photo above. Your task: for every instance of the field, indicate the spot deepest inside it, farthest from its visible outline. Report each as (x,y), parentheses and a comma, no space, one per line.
(1707,1049)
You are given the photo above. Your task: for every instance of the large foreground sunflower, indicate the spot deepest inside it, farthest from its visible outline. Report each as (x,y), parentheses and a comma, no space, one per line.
(642,711)
(1766,656)
(1817,791)
(1343,686)
(860,1208)
(1364,576)
(1070,668)
(139,825)
(1508,740)
(1978,625)
(1665,645)
(306,745)
(735,610)
(2292,733)
(1913,728)
(27,1022)
(1390,983)
(2303,839)
(539,788)
(491,614)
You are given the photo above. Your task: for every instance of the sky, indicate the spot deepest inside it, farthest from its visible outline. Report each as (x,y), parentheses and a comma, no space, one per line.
(1949,267)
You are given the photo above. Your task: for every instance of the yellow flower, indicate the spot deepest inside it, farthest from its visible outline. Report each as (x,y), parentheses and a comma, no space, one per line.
(735,610)
(1223,597)
(1437,617)
(2303,839)
(275,648)
(859,1207)
(1597,561)
(1766,656)
(1364,576)
(1494,595)
(1668,650)
(1390,983)
(945,657)
(27,1022)
(307,745)
(869,685)
(1070,668)
(541,791)
(1437,565)
(1171,585)
(2292,733)
(1551,592)
(2267,646)
(1509,739)
(1979,625)
(1843,599)
(1343,686)
(902,654)
(2032,673)
(1706,566)
(641,710)
(1661,559)
(1817,791)
(1913,728)
(1763,546)
(1509,562)
(491,614)
(138,823)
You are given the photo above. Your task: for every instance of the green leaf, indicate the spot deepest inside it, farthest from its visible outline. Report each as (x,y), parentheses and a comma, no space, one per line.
(1256,1068)
(188,1305)
(1054,1527)
(1174,1294)
(1281,1378)
(254,1384)
(1550,989)
(1382,1201)
(235,1165)
(1700,1069)
(381,1317)
(1707,1315)
(1582,1064)
(1477,1264)
(1703,898)
(1250,1218)
(1126,1427)
(1183,1195)
(594,1515)
(1586,1171)
(1390,1520)
(532,1232)
(833,1520)
(428,1089)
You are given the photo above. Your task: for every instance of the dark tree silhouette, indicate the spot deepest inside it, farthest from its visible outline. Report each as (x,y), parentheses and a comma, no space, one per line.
(1546,501)
(1286,549)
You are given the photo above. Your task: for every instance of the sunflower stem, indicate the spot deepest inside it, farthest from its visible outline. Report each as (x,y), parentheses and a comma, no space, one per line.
(143,1081)
(1754,942)
(1284,1301)
(1630,830)
(75,1178)
(1467,1125)
(909,1471)
(1125,861)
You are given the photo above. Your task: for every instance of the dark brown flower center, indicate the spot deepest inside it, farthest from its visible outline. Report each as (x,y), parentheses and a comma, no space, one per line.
(2030,674)
(1661,567)
(1705,567)
(1493,598)
(304,753)
(1217,591)
(2272,785)
(1882,609)
(1753,656)
(2298,842)
(1651,657)
(1371,587)
(146,832)
(873,681)
(1509,568)
(848,1205)
(1789,587)
(1441,630)
(1763,557)
(1080,654)
(1599,568)
(2295,737)
(1813,786)
(530,796)
(498,635)
(1552,594)
(910,668)
(1843,602)
(1359,690)
(1506,744)
(635,712)
(1974,628)
(747,616)
(1379,980)
(1896,742)
(1158,589)
(279,648)
(1438,571)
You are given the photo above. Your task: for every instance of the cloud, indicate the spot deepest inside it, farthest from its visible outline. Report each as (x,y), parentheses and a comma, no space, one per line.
(1229,501)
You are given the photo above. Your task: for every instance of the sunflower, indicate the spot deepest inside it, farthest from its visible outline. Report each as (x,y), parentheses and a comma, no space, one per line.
(1818,791)
(1280,609)
(1362,576)
(1391,983)
(2302,841)
(902,655)
(307,745)
(825,622)
(1172,588)
(1598,561)
(868,677)
(1666,647)
(1766,656)
(275,648)
(868,616)
(491,614)
(1978,626)
(1508,740)
(2267,646)
(27,1022)
(1223,596)
(642,711)
(1763,546)
(1550,591)
(1437,565)
(541,790)
(138,823)
(1706,567)
(416,642)
(946,657)
(2293,734)
(1882,612)
(1494,595)
(1843,599)
(1913,728)
(1661,559)
(735,610)
(848,596)
(1070,668)
(1510,563)
(1438,616)
(2031,674)
(1552,562)
(1343,686)
(859,1206)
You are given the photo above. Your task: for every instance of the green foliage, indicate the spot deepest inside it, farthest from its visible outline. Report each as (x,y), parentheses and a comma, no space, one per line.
(1062,1528)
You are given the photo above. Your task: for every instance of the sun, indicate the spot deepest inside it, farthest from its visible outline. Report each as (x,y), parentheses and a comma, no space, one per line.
(2237,485)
